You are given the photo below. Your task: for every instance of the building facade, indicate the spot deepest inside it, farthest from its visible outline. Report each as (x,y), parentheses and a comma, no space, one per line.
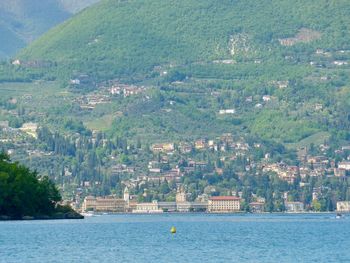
(167,206)
(343,206)
(294,207)
(344,165)
(148,208)
(224,204)
(103,204)
(257,207)
(180,195)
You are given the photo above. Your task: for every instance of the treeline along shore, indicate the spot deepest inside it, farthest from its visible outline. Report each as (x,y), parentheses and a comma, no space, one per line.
(24,195)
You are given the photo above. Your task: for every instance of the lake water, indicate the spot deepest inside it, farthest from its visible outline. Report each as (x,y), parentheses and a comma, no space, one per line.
(199,238)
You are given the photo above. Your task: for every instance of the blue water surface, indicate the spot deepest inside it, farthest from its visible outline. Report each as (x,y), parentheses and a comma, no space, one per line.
(199,238)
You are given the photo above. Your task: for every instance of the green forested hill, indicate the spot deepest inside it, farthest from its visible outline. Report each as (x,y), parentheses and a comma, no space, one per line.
(134,36)
(295,53)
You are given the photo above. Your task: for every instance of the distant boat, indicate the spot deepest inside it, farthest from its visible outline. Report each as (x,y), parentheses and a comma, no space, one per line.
(339,216)
(88,214)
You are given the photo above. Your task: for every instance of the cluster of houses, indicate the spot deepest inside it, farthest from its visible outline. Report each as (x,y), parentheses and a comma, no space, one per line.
(91,100)
(164,169)
(325,58)
(230,148)
(313,166)
(103,94)
(310,165)
(223,143)
(126,90)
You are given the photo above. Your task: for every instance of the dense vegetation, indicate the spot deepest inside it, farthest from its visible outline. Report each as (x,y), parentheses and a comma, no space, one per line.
(24,194)
(233,47)
(129,37)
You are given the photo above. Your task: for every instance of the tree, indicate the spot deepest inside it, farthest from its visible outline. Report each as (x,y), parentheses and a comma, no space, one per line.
(24,193)
(316,206)
(164,188)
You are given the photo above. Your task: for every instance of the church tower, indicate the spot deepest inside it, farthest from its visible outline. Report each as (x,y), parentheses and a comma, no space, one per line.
(126,195)
(180,195)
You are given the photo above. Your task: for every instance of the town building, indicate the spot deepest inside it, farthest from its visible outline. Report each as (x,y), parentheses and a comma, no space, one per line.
(294,207)
(180,195)
(338,172)
(344,165)
(266,98)
(89,204)
(167,206)
(16,62)
(183,206)
(163,147)
(227,111)
(200,144)
(257,207)
(30,128)
(343,206)
(132,205)
(148,208)
(224,204)
(185,147)
(103,204)
(126,198)
(197,206)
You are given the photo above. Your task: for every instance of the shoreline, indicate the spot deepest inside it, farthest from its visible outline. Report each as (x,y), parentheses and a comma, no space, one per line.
(78,216)
(223,213)
(69,216)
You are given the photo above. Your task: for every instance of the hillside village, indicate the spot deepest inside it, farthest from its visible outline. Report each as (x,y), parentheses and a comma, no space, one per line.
(308,175)
(164,167)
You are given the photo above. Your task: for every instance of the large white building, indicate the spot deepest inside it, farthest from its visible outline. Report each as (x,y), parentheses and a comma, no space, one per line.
(148,208)
(343,206)
(344,165)
(103,204)
(294,207)
(224,204)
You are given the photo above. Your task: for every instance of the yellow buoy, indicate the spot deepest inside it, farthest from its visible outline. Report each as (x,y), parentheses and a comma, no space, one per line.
(173,230)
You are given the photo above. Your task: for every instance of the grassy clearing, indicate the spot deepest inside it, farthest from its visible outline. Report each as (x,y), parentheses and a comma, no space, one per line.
(316,139)
(39,88)
(101,124)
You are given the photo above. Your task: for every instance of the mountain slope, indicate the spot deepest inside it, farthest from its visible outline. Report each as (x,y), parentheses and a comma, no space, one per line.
(134,36)
(22,21)
(281,67)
